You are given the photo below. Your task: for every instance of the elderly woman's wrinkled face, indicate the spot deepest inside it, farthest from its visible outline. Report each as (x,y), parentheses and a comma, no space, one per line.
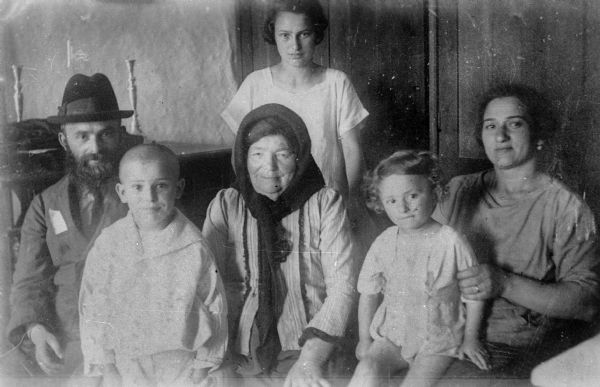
(271,165)
(505,134)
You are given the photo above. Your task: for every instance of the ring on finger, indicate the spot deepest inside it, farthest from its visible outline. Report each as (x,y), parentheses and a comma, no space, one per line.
(476,288)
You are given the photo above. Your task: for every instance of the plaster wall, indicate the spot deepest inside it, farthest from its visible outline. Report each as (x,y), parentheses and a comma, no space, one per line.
(185,52)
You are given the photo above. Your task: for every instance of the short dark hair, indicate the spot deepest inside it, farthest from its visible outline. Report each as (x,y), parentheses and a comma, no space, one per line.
(155,152)
(403,162)
(311,8)
(540,114)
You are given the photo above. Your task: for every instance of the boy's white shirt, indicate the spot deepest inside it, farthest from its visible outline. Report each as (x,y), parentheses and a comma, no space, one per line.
(136,296)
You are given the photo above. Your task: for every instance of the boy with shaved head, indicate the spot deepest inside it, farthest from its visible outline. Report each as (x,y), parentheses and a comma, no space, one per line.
(152,305)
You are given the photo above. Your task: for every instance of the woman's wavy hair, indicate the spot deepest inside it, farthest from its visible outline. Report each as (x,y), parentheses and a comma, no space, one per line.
(403,162)
(540,116)
(311,8)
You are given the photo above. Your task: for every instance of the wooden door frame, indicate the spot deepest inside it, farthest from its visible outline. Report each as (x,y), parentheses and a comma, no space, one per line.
(443,82)
(444,88)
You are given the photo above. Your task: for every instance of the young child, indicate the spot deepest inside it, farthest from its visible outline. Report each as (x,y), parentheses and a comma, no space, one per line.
(152,304)
(420,322)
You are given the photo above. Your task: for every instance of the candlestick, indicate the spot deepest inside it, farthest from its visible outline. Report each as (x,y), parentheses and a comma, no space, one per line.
(134,127)
(18,96)
(3,120)
(68,53)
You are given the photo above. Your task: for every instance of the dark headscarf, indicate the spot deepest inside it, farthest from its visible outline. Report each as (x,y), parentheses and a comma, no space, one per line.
(273,119)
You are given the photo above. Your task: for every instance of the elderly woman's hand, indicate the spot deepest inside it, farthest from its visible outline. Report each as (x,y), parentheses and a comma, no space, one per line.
(307,371)
(482,282)
(305,374)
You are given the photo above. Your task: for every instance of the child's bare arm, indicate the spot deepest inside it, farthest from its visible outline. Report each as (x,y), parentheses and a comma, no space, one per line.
(474,320)
(472,346)
(367,306)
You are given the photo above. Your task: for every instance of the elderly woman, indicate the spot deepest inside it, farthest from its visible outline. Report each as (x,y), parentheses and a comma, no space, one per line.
(535,238)
(283,247)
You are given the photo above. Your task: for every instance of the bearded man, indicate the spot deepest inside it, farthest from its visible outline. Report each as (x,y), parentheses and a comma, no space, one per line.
(62,223)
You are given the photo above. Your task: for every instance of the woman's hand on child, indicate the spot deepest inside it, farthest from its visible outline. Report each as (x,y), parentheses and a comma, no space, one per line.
(305,374)
(475,351)
(482,282)
(362,348)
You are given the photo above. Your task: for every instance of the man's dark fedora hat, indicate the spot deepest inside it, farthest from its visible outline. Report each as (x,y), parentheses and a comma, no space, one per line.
(88,99)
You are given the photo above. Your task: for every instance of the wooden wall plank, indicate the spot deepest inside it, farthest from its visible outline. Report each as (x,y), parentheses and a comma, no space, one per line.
(432,75)
(263,54)
(562,55)
(245,32)
(589,112)
(381,45)
(474,62)
(447,92)
(539,43)
(525,42)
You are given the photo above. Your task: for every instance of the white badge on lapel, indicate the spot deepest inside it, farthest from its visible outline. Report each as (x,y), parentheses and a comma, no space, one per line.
(58,222)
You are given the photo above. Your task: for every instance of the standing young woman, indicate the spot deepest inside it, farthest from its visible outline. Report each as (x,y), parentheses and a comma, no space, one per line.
(324,98)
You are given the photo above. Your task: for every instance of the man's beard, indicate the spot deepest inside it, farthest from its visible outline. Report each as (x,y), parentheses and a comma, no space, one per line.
(92,177)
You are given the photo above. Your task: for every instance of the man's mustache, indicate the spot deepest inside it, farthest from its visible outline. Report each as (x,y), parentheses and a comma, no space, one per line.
(93,157)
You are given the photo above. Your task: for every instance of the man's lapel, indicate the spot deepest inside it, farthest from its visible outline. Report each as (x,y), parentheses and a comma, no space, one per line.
(65,201)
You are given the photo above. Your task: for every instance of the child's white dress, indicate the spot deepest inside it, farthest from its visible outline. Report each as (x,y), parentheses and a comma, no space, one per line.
(422,311)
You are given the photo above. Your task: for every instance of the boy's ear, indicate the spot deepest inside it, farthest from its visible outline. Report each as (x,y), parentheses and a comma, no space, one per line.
(180,186)
(120,188)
